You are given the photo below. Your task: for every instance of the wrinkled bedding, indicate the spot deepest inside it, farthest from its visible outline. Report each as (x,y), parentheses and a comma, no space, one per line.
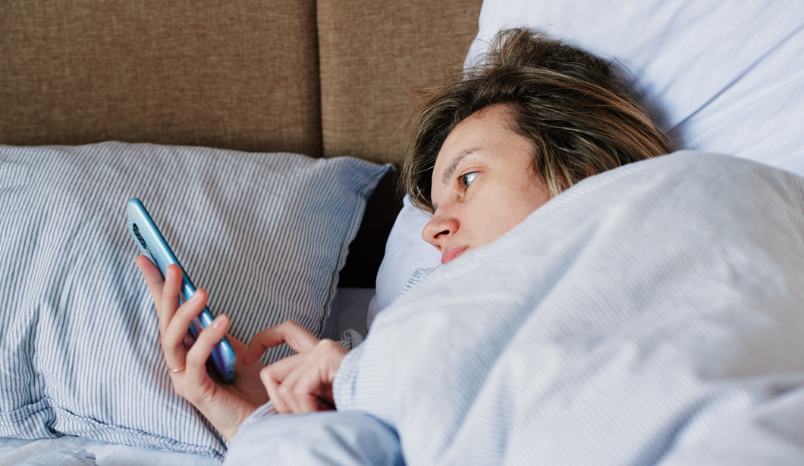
(81,451)
(653,314)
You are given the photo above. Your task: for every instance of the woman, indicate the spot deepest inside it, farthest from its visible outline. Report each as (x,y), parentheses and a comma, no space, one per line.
(491,147)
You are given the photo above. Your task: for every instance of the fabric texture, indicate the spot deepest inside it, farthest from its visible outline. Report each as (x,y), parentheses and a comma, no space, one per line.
(350,338)
(350,309)
(417,276)
(720,78)
(62,458)
(238,75)
(15,451)
(333,438)
(647,315)
(265,234)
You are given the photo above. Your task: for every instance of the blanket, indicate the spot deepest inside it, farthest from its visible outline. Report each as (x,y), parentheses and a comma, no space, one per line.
(653,314)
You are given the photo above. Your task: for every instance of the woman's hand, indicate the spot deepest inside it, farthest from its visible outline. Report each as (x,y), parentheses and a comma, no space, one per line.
(226,406)
(299,383)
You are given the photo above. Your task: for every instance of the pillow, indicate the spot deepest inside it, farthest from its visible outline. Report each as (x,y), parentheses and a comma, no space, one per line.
(265,234)
(405,252)
(725,78)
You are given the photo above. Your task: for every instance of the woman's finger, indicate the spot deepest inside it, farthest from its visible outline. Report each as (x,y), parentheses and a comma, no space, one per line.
(312,379)
(170,292)
(153,278)
(272,377)
(305,390)
(286,389)
(197,356)
(173,337)
(239,348)
(288,332)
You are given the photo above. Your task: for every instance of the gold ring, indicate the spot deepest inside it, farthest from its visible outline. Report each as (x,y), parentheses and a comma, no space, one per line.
(181,369)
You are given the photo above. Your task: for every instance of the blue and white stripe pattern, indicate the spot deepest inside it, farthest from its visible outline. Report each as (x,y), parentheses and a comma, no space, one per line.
(62,458)
(417,276)
(265,234)
(332,437)
(653,314)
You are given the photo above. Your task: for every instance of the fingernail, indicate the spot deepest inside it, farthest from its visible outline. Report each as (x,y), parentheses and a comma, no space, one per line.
(218,322)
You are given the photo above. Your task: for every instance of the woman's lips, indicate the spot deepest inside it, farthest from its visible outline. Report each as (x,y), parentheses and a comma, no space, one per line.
(452,253)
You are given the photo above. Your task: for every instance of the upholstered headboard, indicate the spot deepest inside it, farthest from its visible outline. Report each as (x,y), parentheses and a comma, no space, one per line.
(323,78)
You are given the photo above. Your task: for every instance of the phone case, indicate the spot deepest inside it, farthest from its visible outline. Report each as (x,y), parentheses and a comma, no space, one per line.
(153,245)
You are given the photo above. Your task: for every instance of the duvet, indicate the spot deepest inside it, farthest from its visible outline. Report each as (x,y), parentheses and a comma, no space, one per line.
(653,314)
(650,315)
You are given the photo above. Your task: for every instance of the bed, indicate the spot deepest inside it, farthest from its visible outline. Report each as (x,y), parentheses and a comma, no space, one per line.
(263,139)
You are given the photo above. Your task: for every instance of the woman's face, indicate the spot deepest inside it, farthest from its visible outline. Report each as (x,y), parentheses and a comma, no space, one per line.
(483,184)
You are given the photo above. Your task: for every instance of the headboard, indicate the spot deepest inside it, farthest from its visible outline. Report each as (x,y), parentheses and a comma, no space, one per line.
(321,78)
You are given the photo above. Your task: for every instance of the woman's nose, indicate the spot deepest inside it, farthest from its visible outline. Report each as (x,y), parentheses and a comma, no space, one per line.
(440,228)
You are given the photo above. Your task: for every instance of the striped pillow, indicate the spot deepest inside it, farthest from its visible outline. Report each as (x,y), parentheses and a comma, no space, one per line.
(265,234)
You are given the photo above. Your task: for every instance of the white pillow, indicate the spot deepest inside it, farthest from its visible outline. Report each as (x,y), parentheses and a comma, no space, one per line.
(727,77)
(405,252)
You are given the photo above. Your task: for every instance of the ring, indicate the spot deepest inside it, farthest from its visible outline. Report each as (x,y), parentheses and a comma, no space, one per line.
(181,369)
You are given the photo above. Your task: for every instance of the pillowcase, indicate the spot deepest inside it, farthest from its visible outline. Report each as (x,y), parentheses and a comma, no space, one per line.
(723,78)
(265,234)
(405,252)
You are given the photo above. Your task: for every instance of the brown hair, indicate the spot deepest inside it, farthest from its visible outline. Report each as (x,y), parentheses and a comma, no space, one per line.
(567,101)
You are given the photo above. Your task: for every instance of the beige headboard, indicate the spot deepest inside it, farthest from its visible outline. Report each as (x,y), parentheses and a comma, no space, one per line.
(320,78)
(325,78)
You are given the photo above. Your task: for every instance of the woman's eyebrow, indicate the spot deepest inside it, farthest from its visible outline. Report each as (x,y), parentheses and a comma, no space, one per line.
(454,165)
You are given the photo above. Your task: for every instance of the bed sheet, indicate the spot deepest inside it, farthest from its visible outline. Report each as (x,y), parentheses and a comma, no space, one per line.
(351,308)
(15,451)
(343,438)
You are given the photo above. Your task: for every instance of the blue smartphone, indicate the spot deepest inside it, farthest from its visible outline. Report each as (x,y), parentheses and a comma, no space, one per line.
(153,245)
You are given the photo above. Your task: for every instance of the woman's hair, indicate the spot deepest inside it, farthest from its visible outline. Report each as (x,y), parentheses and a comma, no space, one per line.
(578,114)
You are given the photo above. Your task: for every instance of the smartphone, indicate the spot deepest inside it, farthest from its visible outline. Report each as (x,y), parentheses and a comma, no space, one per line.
(153,245)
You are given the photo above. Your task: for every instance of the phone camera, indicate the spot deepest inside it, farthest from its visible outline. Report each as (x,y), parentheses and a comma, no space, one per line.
(139,236)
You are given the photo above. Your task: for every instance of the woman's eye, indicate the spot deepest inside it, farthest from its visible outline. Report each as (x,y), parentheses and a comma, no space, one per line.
(466,180)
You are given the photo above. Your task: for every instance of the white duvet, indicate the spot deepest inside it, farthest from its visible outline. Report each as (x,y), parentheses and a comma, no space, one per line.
(653,314)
